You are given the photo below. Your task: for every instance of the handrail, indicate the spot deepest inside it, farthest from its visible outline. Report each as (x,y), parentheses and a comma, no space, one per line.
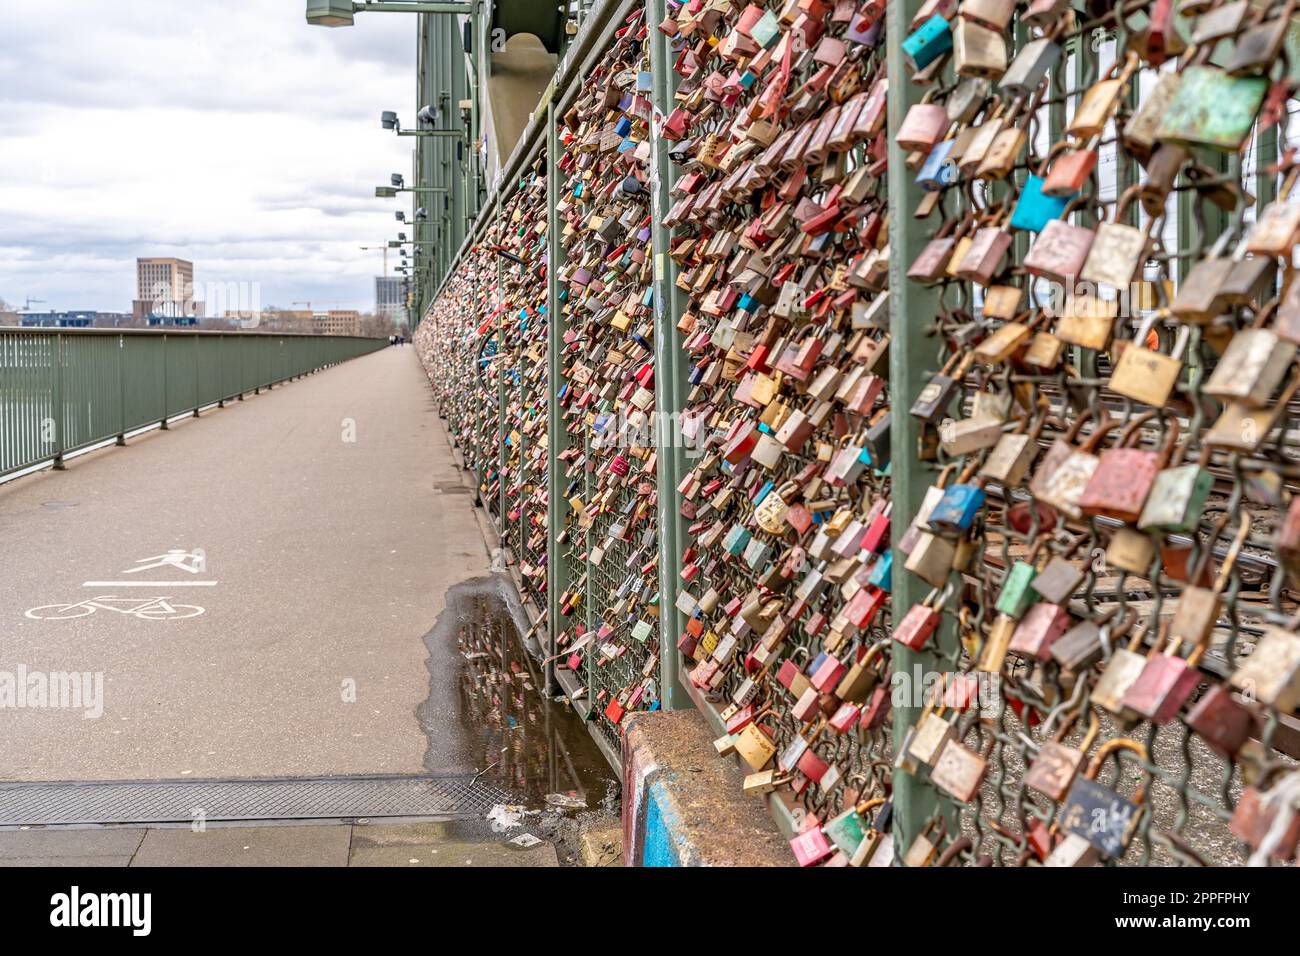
(66,390)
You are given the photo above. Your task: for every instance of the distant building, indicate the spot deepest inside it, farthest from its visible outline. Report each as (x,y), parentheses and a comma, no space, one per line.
(336,322)
(57,320)
(154,320)
(164,289)
(390,298)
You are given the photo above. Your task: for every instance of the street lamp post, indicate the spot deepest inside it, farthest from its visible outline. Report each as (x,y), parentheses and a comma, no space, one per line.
(341,13)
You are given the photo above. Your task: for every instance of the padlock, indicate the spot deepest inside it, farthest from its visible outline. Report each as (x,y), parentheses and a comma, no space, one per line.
(1098,814)
(1221,721)
(915,628)
(1124,476)
(1144,374)
(1267,820)
(1121,670)
(1174,506)
(1087,321)
(1064,471)
(959,772)
(1118,250)
(1271,675)
(1030,66)
(1040,628)
(1252,368)
(978,51)
(1054,768)
(1186,122)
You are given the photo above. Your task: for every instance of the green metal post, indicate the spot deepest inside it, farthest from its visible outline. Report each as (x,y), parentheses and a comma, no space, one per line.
(195,339)
(58,402)
(121,391)
(163,424)
(501,412)
(670,379)
(557,569)
(911,308)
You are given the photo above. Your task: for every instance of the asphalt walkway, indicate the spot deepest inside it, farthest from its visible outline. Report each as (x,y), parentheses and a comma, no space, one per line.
(302,541)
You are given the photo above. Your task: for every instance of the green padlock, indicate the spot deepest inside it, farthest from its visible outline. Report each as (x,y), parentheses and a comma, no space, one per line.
(1213,109)
(1016,596)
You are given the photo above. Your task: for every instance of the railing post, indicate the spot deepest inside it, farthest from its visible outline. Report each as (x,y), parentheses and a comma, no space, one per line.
(58,401)
(121,390)
(196,374)
(670,392)
(163,423)
(910,308)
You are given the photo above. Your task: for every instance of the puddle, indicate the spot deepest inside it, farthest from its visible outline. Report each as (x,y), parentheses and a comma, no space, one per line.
(487,712)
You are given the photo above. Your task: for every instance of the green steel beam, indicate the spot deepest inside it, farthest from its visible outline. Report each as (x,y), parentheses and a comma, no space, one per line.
(911,355)
(670,377)
(558,574)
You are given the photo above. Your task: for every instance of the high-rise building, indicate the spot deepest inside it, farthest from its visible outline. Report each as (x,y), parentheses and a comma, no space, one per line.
(390,298)
(165,288)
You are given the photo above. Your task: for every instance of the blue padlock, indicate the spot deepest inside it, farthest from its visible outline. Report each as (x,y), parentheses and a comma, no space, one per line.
(1034,210)
(936,172)
(956,510)
(931,40)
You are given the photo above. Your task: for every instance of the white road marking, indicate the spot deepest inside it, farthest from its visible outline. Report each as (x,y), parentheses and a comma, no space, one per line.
(148,584)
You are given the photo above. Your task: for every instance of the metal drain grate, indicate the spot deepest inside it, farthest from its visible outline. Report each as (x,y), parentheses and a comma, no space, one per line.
(452,488)
(181,801)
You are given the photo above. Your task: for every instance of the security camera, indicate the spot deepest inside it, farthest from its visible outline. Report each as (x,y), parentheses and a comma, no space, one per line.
(427,115)
(388,119)
(397,180)
(421,213)
(399,216)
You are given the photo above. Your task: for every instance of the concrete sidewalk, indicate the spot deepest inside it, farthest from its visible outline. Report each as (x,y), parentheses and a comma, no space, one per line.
(419,844)
(333,521)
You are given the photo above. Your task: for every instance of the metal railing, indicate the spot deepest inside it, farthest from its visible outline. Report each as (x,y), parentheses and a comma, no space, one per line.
(65,390)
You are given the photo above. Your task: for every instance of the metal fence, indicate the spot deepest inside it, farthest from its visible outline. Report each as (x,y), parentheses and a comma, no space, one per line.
(61,391)
(978,806)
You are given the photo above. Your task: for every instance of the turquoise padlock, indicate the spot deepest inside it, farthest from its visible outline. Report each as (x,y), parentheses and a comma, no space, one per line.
(1034,210)
(882,571)
(931,40)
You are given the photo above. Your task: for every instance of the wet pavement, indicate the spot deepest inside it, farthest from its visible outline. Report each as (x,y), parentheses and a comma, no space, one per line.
(487,709)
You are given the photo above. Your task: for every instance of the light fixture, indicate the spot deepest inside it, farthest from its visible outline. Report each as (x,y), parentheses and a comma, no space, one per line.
(330,13)
(421,213)
(396,180)
(388,120)
(427,115)
(400,216)
(385,192)
(340,13)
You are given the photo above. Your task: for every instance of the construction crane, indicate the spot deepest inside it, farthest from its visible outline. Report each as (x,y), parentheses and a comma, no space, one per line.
(385,251)
(30,300)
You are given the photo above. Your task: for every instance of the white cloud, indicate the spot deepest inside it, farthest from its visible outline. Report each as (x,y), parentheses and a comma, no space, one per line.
(231,133)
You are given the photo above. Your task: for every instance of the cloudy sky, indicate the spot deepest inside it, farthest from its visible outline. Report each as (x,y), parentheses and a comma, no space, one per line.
(229,133)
